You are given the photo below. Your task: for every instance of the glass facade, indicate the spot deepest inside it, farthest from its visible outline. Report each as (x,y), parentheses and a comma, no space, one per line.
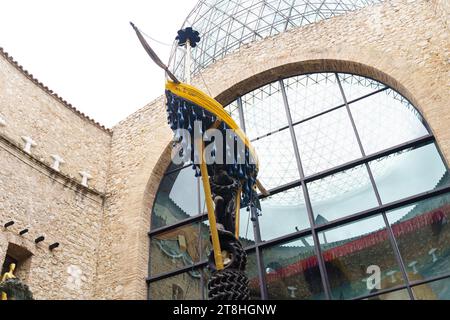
(359,199)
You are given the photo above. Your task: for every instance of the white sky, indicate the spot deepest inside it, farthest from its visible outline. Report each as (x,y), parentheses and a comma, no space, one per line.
(87,52)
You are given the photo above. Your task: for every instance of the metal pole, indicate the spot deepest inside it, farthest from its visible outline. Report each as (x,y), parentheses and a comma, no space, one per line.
(210,208)
(187,62)
(204,176)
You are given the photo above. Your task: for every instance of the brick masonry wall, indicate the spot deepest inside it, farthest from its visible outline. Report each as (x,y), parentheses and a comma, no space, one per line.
(401,43)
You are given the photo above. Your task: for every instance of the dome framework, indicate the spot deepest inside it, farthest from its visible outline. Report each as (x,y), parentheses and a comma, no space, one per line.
(226,25)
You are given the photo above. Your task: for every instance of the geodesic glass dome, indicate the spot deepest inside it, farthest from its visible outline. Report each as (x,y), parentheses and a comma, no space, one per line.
(226,25)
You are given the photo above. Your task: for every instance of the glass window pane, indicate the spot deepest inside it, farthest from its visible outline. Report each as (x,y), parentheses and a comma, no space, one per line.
(326,141)
(341,194)
(386,119)
(355,86)
(253,277)
(283,213)
(177,198)
(422,232)
(311,94)
(409,172)
(277,161)
(292,271)
(246,235)
(437,290)
(264,110)
(395,295)
(233,111)
(179,248)
(185,286)
(350,250)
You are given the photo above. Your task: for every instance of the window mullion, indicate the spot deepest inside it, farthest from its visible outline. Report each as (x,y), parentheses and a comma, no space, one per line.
(377,194)
(317,249)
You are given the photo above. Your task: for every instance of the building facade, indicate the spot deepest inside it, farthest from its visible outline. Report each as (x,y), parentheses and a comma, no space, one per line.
(347,105)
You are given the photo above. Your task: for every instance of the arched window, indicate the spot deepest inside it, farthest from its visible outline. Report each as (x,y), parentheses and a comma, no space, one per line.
(356,181)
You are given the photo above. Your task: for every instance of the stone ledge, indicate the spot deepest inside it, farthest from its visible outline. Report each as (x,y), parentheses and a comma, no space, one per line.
(67,181)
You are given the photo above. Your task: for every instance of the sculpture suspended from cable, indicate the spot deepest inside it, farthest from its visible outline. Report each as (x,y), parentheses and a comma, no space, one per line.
(222,155)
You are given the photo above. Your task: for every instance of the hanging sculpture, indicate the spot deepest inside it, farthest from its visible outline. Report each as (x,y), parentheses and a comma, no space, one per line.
(229,180)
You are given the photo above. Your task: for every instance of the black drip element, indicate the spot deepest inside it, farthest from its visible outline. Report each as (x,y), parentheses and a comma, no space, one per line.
(53,245)
(9,224)
(188,34)
(23,232)
(39,239)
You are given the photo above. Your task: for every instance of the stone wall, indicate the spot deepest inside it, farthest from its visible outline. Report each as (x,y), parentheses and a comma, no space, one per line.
(46,201)
(29,109)
(139,157)
(401,43)
(43,203)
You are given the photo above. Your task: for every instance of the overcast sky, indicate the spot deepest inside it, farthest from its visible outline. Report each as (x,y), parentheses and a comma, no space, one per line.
(87,52)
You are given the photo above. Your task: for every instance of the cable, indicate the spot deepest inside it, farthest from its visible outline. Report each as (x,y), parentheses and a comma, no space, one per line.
(155,40)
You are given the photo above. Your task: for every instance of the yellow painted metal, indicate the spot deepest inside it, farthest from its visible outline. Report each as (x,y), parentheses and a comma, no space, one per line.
(201,99)
(210,208)
(197,97)
(238,212)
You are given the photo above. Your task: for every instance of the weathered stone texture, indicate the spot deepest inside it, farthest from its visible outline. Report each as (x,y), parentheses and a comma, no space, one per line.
(401,43)
(30,111)
(46,207)
(138,143)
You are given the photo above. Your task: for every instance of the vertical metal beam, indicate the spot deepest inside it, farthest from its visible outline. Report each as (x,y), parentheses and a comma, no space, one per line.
(259,256)
(392,240)
(317,249)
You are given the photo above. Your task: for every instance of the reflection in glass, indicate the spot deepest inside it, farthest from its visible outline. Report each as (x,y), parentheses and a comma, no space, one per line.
(185,286)
(385,120)
(356,86)
(246,236)
(341,194)
(350,250)
(409,172)
(253,277)
(326,141)
(264,110)
(283,213)
(394,295)
(292,271)
(179,248)
(175,201)
(278,165)
(422,232)
(437,290)
(306,96)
